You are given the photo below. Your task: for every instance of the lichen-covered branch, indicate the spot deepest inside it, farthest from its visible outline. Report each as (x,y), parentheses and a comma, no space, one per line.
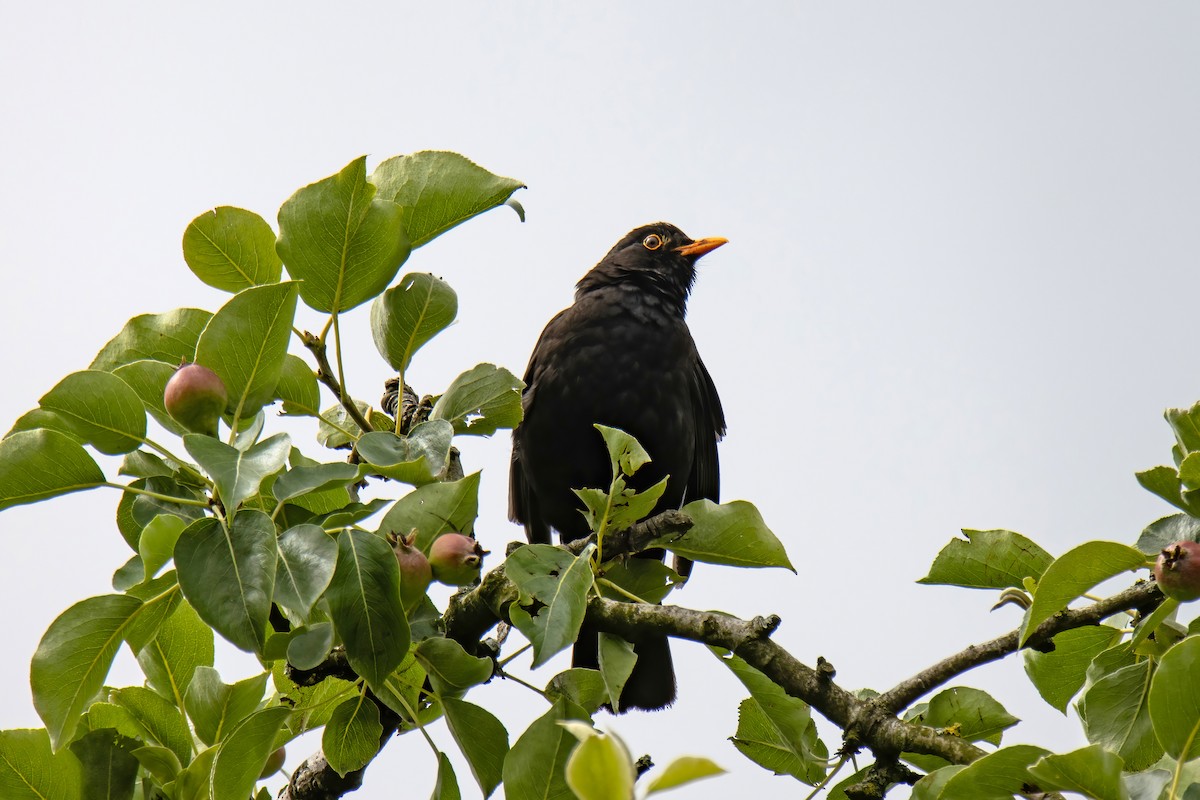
(1143,597)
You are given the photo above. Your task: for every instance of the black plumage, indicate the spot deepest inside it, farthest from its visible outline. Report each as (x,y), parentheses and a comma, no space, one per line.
(622,356)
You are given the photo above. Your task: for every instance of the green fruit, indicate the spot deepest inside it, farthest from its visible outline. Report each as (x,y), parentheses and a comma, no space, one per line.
(1177,571)
(195,397)
(456,559)
(274,763)
(415,572)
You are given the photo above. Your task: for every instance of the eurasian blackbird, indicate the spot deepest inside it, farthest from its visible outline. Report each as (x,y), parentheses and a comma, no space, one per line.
(621,356)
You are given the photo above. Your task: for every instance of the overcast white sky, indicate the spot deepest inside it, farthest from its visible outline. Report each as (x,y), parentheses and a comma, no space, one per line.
(959,290)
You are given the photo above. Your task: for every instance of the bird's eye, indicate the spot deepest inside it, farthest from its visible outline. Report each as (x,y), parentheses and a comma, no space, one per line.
(652,242)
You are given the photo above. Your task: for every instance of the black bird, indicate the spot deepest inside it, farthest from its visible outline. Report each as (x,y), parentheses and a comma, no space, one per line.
(621,356)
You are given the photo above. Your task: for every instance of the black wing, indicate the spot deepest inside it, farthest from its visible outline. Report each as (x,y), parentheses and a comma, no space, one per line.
(705,479)
(522,502)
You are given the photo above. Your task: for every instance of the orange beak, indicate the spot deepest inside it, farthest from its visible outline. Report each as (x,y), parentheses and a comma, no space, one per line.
(701,246)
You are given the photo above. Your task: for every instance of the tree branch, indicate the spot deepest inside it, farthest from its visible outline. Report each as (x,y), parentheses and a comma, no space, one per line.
(1143,597)
(325,375)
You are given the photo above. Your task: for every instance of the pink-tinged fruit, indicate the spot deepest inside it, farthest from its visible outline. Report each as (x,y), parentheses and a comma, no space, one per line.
(456,559)
(1177,571)
(415,572)
(195,397)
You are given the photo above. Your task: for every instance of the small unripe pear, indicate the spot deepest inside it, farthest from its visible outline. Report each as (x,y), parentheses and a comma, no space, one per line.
(415,572)
(195,397)
(456,559)
(1177,571)
(274,762)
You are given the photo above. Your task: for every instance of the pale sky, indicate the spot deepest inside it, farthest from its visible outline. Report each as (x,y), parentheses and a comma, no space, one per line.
(958,290)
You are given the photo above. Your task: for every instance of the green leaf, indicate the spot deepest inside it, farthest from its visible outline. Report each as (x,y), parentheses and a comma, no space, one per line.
(562,585)
(446,787)
(307,555)
(583,687)
(157,543)
(996,776)
(625,453)
(169,337)
(974,714)
(341,241)
(1115,713)
(435,509)
(243,755)
(481,401)
(351,514)
(619,507)
(418,458)
(39,464)
(730,533)
(1174,703)
(195,782)
(1185,424)
(404,691)
(1090,771)
(236,473)
(1167,531)
(534,769)
(409,314)
(298,388)
(682,771)
(775,729)
(216,707)
(646,578)
(159,718)
(451,669)
(351,737)
(439,190)
(109,769)
(1164,482)
(183,643)
(30,771)
(159,761)
(310,645)
(228,575)
(304,479)
(930,787)
(482,739)
(41,418)
(994,559)
(74,657)
(616,665)
(758,739)
(231,249)
(245,344)
(148,379)
(101,410)
(600,768)
(311,705)
(337,428)
(1059,674)
(364,602)
(1074,573)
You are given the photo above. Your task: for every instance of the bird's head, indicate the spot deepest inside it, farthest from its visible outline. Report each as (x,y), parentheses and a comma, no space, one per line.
(657,258)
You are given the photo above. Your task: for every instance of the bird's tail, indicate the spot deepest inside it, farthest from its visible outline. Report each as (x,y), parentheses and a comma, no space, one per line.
(651,686)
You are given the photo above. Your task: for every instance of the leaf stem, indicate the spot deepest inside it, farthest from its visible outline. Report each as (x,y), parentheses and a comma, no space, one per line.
(502,663)
(186,467)
(619,590)
(519,682)
(417,721)
(183,501)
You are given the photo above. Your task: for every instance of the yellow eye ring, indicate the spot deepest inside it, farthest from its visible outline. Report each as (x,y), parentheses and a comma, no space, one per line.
(652,242)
